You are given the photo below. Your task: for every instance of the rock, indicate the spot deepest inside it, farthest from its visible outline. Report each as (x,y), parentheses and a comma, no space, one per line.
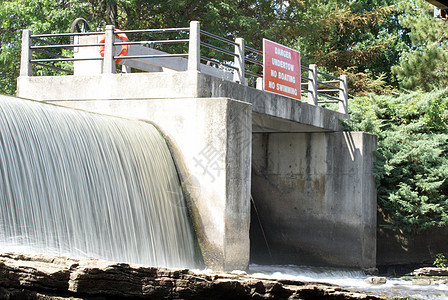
(371,271)
(430,271)
(45,277)
(440,281)
(375,280)
(238,272)
(421,281)
(428,281)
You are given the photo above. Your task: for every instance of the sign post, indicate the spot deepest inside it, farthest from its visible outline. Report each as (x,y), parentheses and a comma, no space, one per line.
(281,69)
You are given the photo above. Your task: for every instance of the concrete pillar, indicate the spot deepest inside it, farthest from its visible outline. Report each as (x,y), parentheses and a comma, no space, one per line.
(312,85)
(259,84)
(238,75)
(211,142)
(343,95)
(109,62)
(194,46)
(26,68)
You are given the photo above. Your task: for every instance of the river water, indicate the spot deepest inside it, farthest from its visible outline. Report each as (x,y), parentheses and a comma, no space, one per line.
(352,280)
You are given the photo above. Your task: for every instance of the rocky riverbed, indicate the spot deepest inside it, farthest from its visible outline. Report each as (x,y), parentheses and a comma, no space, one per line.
(24,276)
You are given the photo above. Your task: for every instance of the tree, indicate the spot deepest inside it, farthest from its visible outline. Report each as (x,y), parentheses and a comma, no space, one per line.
(424,67)
(412,156)
(44,16)
(360,38)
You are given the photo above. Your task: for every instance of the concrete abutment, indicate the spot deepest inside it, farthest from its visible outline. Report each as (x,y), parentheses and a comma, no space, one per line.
(313,198)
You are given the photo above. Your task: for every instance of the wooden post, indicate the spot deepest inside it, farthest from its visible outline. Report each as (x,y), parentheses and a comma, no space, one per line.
(26,69)
(312,85)
(194,46)
(239,74)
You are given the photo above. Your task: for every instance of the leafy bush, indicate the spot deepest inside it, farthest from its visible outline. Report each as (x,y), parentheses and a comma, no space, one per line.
(440,261)
(411,169)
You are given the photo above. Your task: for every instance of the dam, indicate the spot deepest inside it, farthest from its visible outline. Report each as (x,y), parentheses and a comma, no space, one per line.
(268,179)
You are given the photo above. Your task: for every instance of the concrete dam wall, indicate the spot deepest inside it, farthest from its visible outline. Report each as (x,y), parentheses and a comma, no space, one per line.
(311,183)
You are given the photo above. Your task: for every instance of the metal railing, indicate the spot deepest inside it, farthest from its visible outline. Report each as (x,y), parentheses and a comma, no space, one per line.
(28,48)
(318,89)
(329,89)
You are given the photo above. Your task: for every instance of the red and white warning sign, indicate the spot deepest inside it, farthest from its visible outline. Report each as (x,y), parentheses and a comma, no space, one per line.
(281,69)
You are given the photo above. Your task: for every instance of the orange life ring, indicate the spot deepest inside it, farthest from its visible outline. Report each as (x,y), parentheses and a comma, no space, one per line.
(124,48)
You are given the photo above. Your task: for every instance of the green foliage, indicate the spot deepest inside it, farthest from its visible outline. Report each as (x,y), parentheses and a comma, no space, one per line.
(411,168)
(440,261)
(424,66)
(361,38)
(44,16)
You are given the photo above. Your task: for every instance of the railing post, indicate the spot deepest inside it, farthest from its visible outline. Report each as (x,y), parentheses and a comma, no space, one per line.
(194,46)
(343,95)
(259,84)
(312,85)
(26,68)
(239,74)
(109,62)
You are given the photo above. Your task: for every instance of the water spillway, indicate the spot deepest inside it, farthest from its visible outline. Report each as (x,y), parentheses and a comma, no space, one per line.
(80,184)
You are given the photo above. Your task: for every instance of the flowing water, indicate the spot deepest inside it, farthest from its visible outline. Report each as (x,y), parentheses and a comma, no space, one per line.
(80,184)
(352,280)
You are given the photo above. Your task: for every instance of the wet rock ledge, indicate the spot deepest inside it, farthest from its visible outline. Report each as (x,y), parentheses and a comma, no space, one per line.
(24,276)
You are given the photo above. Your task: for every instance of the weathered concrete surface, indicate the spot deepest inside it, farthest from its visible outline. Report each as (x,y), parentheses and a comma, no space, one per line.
(46,277)
(315,197)
(272,112)
(210,139)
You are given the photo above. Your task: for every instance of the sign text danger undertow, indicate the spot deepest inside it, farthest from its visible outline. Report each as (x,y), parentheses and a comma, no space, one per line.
(281,69)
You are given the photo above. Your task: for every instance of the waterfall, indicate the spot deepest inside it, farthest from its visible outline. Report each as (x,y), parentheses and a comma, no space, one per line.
(81,184)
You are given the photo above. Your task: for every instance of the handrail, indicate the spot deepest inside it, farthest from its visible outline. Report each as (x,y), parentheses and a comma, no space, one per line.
(218,62)
(328,75)
(44,41)
(326,86)
(308,69)
(66,46)
(161,30)
(218,37)
(149,56)
(50,53)
(254,74)
(54,68)
(152,42)
(65,34)
(328,96)
(63,59)
(254,61)
(329,85)
(254,50)
(218,49)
